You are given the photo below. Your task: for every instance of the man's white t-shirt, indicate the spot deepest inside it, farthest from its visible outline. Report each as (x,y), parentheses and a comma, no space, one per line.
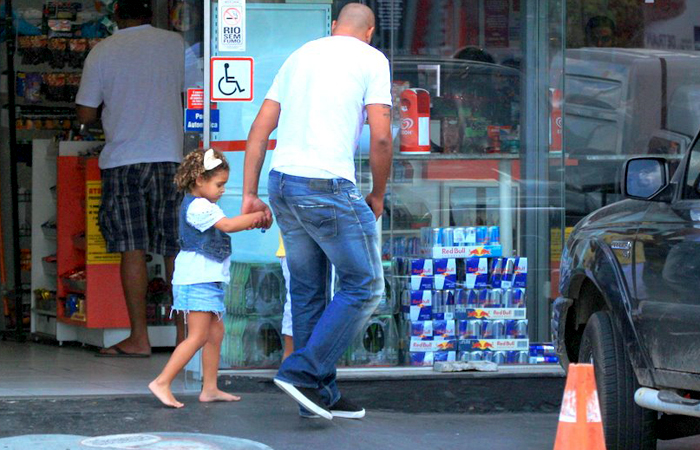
(193,267)
(322,89)
(138,73)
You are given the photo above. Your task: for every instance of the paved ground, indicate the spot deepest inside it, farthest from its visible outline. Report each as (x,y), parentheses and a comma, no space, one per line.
(271,419)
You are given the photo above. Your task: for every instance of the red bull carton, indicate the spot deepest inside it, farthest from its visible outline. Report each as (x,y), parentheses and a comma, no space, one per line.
(518,357)
(520,276)
(508,273)
(444,329)
(515,273)
(445,270)
(434,345)
(442,356)
(421,306)
(482,235)
(517,329)
(494,329)
(441,345)
(421,273)
(496,272)
(421,345)
(470,329)
(469,236)
(514,298)
(493,344)
(422,330)
(459,237)
(500,357)
(421,359)
(477,273)
(494,298)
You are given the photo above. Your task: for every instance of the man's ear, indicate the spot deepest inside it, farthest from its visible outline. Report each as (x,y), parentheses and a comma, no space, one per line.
(368,36)
(333,24)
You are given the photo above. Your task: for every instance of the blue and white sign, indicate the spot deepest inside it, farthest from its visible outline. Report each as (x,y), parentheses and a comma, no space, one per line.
(194,120)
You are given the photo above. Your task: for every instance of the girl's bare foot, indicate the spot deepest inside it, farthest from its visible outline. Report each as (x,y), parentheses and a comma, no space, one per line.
(163,393)
(216,395)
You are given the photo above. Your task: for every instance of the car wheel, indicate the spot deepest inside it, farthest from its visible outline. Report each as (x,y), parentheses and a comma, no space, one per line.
(626,425)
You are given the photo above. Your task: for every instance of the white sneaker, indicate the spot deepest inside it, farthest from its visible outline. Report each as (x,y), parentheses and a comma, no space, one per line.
(306,397)
(345,409)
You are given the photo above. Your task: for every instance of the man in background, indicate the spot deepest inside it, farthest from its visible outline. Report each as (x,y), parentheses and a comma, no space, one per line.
(133,81)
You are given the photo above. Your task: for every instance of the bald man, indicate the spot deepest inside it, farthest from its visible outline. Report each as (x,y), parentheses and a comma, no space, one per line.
(318,102)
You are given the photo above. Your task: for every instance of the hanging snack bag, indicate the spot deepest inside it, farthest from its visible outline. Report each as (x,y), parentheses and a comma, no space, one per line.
(55,84)
(72,86)
(78,49)
(32,49)
(32,87)
(58,49)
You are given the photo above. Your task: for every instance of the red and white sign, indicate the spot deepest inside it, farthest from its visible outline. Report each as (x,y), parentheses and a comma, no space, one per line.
(195,98)
(232,25)
(231,17)
(231,79)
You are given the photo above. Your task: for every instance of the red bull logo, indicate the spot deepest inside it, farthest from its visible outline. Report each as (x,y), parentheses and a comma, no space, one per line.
(478,314)
(447,345)
(482,345)
(480,251)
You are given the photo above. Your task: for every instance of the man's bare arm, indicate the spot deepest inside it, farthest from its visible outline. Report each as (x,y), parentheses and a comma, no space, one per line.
(87,115)
(380,153)
(255,151)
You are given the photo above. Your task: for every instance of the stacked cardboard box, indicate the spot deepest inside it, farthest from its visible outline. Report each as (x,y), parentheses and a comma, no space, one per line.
(463,309)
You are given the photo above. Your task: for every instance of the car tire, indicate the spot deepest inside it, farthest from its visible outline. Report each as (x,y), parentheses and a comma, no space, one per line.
(626,425)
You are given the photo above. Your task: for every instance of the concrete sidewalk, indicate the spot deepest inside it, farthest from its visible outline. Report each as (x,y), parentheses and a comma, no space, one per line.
(270,419)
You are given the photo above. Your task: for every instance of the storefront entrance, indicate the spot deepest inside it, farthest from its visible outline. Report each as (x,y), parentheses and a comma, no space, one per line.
(476,195)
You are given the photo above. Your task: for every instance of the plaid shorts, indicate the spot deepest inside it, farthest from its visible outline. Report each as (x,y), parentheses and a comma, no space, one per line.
(140,208)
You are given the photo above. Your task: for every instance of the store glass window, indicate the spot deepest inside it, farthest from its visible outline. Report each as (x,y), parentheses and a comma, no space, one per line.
(477,176)
(475,196)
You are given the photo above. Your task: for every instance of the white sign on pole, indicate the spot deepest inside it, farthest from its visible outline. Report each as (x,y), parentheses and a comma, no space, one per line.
(232,25)
(231,79)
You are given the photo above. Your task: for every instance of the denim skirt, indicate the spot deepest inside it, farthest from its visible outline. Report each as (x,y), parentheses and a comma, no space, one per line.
(208,297)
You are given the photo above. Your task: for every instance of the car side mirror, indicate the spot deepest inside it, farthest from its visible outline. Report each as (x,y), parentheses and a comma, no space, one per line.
(645,177)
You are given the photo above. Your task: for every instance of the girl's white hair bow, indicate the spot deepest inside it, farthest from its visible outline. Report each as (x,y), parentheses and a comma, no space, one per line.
(210,160)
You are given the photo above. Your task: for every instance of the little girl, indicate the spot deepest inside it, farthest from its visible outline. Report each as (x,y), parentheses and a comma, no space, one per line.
(201,269)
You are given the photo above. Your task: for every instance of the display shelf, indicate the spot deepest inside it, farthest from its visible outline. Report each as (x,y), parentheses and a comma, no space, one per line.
(448,156)
(69,321)
(43,210)
(410,231)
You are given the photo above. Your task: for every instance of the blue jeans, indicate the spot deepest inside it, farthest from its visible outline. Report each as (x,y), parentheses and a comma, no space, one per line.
(325,222)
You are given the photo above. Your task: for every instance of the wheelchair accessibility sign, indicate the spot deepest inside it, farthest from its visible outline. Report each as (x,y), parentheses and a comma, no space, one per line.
(231,79)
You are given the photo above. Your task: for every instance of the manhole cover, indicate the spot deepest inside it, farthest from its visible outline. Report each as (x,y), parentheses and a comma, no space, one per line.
(139,441)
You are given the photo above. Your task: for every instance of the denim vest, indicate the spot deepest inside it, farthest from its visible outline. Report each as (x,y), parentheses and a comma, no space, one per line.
(212,243)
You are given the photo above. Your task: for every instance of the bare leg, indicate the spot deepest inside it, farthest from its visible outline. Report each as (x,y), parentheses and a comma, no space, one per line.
(210,366)
(179,318)
(134,279)
(288,346)
(198,325)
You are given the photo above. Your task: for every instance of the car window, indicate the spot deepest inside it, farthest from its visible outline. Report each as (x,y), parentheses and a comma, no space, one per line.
(691,188)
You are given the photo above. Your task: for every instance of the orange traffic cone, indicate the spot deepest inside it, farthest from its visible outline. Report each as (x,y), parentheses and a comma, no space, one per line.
(580,424)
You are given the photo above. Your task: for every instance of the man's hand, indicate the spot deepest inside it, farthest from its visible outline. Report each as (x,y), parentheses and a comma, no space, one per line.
(251,204)
(376,203)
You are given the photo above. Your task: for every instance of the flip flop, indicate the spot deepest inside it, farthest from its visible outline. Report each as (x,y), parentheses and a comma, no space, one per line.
(120,354)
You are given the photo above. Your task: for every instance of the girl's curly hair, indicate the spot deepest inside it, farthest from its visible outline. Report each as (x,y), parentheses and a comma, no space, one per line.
(193,166)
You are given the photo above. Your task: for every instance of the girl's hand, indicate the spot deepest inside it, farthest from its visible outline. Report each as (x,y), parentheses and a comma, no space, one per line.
(258,220)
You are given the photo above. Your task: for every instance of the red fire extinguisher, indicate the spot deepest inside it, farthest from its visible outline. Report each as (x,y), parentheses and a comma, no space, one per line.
(415,121)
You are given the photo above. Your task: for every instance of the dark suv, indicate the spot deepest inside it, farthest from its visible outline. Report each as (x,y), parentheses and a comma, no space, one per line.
(630,302)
